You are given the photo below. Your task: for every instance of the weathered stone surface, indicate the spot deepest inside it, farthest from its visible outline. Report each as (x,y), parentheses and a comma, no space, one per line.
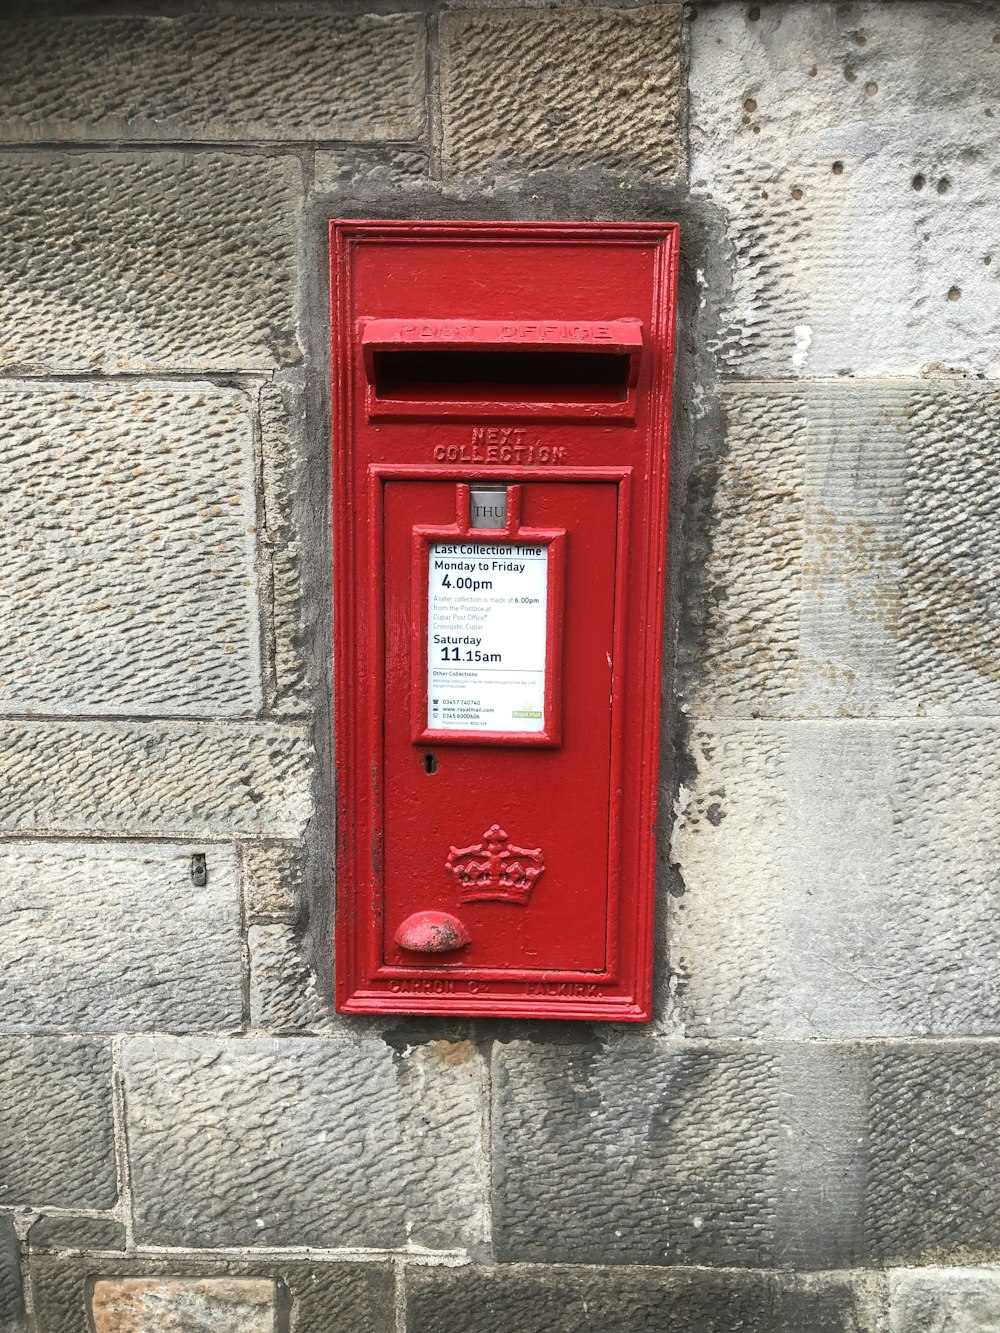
(933,1192)
(11,1294)
(281,418)
(639,1154)
(164,1305)
(134,262)
(838,880)
(56,1149)
(242,72)
(375,170)
(116,937)
(158,779)
(944,1300)
(126,550)
(273,874)
(852,551)
(321,1142)
(283,992)
(309,1298)
(553,1299)
(857,177)
(76,1233)
(589,86)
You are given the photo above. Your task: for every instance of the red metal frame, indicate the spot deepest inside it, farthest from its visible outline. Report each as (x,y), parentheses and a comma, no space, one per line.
(621,988)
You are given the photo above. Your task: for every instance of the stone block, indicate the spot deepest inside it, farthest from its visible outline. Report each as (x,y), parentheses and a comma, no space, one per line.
(154,779)
(852,549)
(553,1299)
(116,937)
(304,1142)
(127,580)
(933,1192)
(837,881)
(586,86)
(283,991)
(177,1305)
(281,419)
(148,261)
(307,1297)
(944,1300)
(856,178)
(376,171)
(11,1292)
(237,73)
(637,1154)
(273,874)
(76,1233)
(57,1146)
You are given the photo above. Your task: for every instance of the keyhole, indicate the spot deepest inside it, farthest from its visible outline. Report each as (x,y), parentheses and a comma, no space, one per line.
(430,763)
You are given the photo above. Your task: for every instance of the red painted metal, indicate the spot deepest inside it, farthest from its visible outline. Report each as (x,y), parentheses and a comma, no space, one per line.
(536,358)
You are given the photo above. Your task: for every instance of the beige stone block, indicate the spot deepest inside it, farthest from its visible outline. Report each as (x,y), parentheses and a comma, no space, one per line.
(179,1305)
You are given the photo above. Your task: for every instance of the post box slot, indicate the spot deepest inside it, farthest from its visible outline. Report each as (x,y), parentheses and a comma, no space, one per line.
(448,375)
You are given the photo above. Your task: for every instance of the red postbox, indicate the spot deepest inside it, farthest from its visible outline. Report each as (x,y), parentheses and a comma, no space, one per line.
(501,408)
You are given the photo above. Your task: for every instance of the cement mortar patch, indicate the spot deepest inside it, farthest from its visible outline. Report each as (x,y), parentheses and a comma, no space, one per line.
(155,779)
(837,881)
(249,74)
(944,1300)
(148,261)
(116,937)
(852,149)
(127,554)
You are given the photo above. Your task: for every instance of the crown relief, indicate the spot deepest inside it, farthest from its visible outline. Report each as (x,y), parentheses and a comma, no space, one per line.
(494,870)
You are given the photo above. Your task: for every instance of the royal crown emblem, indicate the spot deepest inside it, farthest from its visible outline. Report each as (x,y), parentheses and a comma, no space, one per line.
(494,870)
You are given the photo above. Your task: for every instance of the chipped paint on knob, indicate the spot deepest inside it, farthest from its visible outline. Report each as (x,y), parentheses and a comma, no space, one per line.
(432,932)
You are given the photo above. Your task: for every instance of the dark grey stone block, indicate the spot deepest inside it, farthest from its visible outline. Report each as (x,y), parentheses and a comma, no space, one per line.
(76,1233)
(304,1142)
(637,1153)
(237,72)
(148,261)
(556,1299)
(57,1147)
(933,1192)
(11,1293)
(311,1298)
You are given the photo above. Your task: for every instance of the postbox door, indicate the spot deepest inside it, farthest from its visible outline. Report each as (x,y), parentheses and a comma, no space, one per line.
(510,834)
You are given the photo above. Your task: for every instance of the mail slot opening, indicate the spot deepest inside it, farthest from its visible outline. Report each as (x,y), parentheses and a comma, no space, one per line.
(453,375)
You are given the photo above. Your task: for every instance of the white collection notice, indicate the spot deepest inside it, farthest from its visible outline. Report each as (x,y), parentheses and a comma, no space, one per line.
(486,637)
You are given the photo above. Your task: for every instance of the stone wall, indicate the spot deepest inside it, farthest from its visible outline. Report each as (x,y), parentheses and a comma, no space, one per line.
(804,1139)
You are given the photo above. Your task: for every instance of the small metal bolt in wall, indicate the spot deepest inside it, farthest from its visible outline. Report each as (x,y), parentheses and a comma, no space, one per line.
(199,870)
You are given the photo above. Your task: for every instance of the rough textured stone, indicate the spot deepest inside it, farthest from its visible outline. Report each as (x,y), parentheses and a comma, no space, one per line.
(116,937)
(553,1299)
(283,992)
(852,551)
(157,779)
(944,1300)
(126,550)
(273,874)
(852,151)
(375,170)
(323,1142)
(163,1305)
(933,1192)
(135,262)
(76,1233)
(638,1154)
(281,416)
(56,1149)
(837,880)
(242,72)
(537,88)
(11,1294)
(309,1298)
